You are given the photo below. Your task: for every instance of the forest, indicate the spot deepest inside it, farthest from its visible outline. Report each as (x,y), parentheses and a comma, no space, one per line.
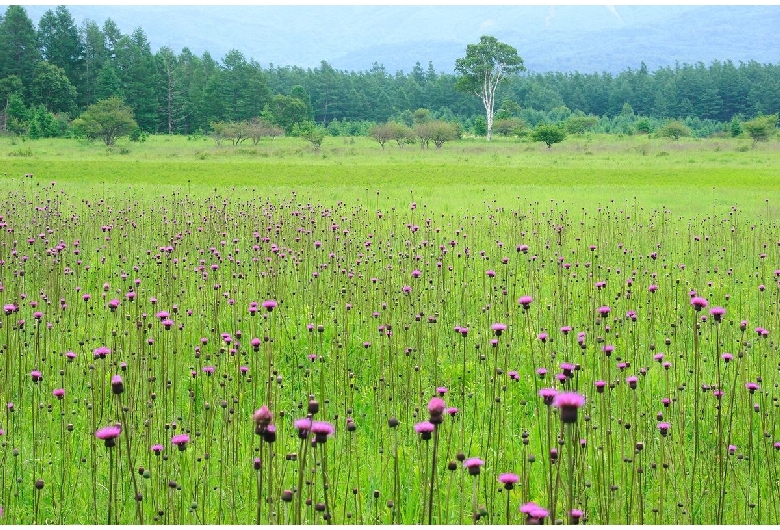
(52,73)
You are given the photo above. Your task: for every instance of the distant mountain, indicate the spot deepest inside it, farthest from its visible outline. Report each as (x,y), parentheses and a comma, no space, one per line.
(549,38)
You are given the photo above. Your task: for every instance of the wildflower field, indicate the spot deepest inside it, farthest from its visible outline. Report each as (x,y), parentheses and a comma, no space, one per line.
(486,334)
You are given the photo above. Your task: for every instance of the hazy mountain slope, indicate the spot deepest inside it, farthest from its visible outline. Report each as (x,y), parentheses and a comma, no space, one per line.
(562,38)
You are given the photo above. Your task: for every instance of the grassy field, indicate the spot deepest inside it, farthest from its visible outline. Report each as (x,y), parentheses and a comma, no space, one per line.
(581,172)
(359,336)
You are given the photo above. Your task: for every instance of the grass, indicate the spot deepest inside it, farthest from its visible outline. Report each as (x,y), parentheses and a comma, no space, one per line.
(374,292)
(580,172)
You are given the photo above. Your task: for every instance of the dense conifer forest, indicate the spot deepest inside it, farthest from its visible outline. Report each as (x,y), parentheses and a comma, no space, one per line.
(52,73)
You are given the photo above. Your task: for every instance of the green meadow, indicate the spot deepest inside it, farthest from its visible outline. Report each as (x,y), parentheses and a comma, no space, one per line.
(688,176)
(265,334)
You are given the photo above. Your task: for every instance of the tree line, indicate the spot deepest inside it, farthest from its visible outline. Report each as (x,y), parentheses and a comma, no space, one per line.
(50,74)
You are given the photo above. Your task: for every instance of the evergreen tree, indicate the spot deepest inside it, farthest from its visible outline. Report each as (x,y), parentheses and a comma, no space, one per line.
(18,45)
(60,44)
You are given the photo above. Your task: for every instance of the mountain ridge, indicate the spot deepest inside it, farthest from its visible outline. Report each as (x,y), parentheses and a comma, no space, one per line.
(568,38)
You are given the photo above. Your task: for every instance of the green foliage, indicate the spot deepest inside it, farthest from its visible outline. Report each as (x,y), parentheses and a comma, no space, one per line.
(311,132)
(735,127)
(44,124)
(509,127)
(509,109)
(644,126)
(137,135)
(286,112)
(17,115)
(674,130)
(480,126)
(549,134)
(107,119)
(52,89)
(580,124)
(761,128)
(436,131)
(19,51)
(485,66)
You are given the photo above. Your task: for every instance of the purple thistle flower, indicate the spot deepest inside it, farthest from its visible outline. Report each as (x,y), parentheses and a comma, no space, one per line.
(663,428)
(101,352)
(303,425)
(508,480)
(568,403)
(59,393)
(547,395)
(181,441)
(424,429)
(751,387)
(322,430)
(36,376)
(436,406)
(498,328)
(717,313)
(632,381)
(117,385)
(699,303)
(269,305)
(604,310)
(109,434)
(157,449)
(525,301)
(473,465)
(534,513)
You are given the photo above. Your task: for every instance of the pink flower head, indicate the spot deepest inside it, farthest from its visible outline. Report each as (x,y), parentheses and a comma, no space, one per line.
(269,305)
(508,480)
(322,430)
(473,464)
(547,395)
(157,449)
(303,425)
(717,313)
(101,352)
(436,406)
(112,431)
(534,513)
(699,303)
(568,403)
(663,428)
(262,416)
(181,441)
(498,328)
(424,429)
(59,393)
(109,434)
(604,310)
(525,301)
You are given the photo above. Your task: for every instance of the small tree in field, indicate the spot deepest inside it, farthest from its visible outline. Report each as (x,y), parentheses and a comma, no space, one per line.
(549,134)
(310,132)
(382,133)
(107,119)
(580,124)
(760,128)
(485,66)
(674,130)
